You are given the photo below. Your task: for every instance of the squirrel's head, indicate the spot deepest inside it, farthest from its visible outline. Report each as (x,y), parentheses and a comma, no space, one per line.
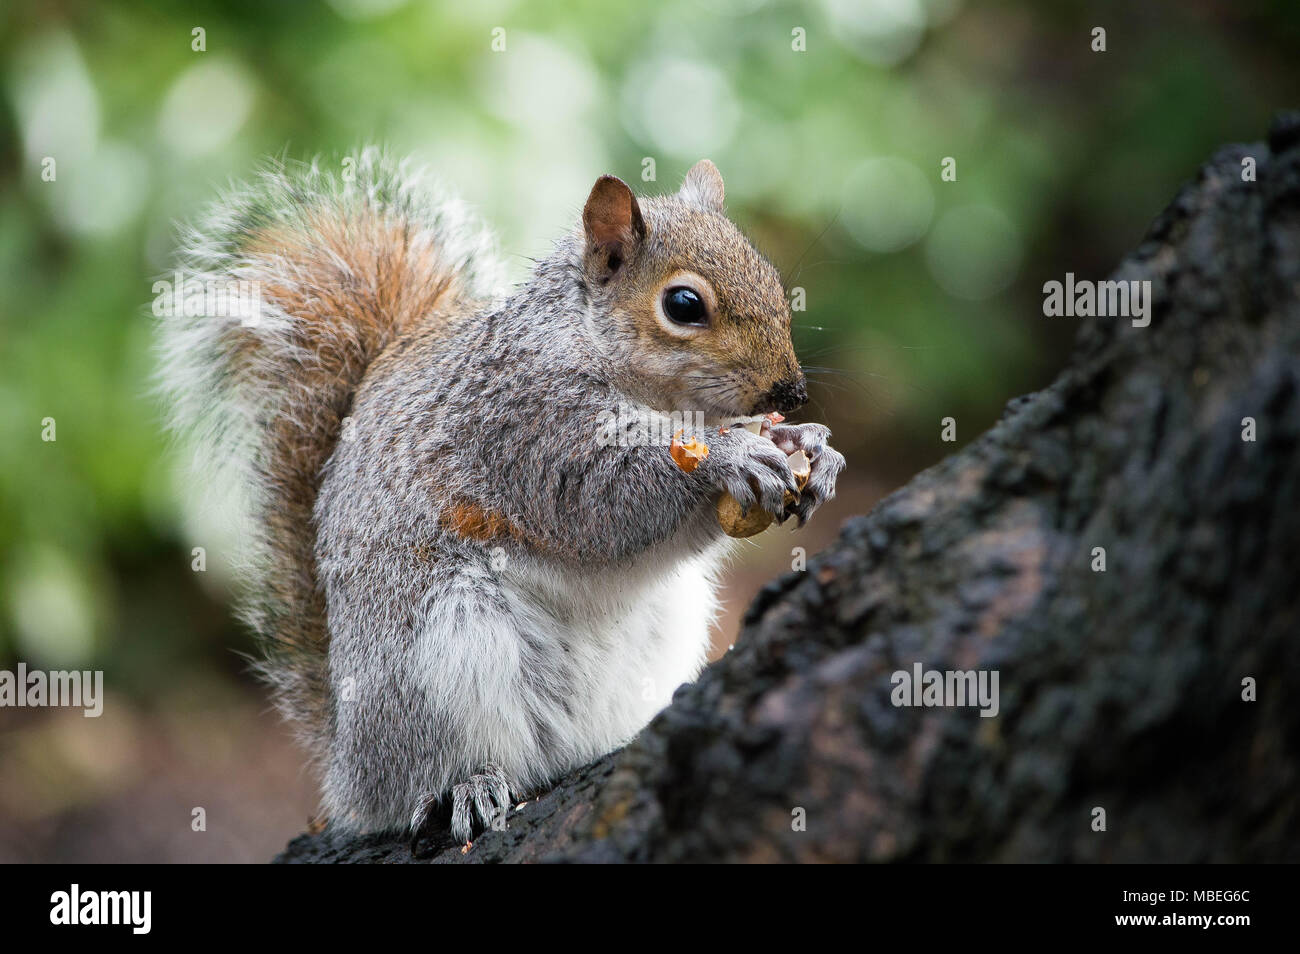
(690,313)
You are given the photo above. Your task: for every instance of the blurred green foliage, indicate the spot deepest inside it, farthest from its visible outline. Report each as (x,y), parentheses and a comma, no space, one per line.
(923,296)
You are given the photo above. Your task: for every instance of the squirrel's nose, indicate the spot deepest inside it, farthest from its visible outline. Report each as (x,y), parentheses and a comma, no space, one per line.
(789,395)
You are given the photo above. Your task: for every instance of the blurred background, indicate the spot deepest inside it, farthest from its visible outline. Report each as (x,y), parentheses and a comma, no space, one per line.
(830,120)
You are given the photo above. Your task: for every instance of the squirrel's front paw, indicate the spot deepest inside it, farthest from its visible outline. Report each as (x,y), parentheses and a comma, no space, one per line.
(752,469)
(827,463)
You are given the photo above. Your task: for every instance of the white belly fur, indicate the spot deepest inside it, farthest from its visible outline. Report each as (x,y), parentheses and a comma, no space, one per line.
(545,668)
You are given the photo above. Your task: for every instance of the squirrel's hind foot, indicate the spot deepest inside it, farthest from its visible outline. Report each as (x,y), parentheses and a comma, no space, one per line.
(481,801)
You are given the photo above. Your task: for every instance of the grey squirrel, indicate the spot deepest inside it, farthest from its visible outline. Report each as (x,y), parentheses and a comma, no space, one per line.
(462,592)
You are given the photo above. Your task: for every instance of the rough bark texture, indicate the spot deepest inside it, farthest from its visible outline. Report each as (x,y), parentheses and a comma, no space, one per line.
(1120,689)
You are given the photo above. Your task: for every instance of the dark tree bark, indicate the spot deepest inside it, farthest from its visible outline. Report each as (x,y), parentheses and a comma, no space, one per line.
(1121,690)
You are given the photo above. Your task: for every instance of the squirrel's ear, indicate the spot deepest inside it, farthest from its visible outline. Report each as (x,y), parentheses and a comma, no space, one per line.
(613,223)
(703,187)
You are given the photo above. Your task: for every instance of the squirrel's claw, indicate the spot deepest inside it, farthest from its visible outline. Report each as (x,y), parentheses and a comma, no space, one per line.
(826,461)
(479,802)
(428,832)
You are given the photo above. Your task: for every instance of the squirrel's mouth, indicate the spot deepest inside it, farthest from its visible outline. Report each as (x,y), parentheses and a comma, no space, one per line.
(750,421)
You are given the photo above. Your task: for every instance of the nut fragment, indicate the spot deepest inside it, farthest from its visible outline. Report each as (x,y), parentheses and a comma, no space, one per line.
(687,454)
(736,523)
(801,467)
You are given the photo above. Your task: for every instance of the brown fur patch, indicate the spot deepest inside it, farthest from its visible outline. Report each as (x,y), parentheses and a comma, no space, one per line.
(470,521)
(369,269)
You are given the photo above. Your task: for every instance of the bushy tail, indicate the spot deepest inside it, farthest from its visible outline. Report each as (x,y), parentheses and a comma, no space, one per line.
(302,278)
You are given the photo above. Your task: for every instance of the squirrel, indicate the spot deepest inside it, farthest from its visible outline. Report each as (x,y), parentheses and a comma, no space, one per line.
(460,592)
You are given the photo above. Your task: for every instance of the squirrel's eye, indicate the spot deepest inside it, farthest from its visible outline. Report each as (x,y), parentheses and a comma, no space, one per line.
(684,306)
